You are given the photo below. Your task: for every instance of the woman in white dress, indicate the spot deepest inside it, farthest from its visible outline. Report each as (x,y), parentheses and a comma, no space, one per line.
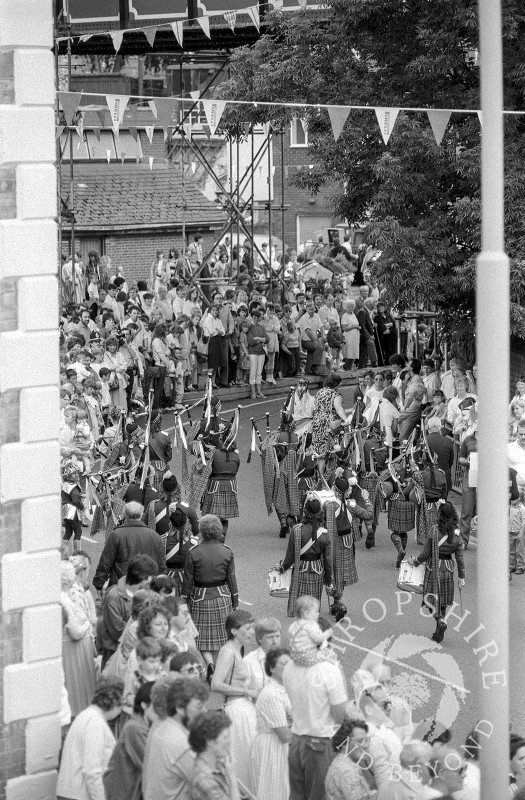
(270,747)
(232,678)
(351,331)
(115,362)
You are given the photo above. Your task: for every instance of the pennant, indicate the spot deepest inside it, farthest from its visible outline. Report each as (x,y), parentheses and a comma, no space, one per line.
(150,159)
(137,160)
(195,95)
(231,18)
(101,114)
(69,101)
(133,133)
(117,38)
(286,172)
(149,132)
(86,37)
(96,131)
(480,117)
(204,22)
(79,127)
(213,110)
(338,116)
(193,166)
(187,129)
(177,29)
(59,131)
(108,155)
(150,34)
(386,118)
(438,122)
(303,4)
(117,105)
(166,111)
(253,13)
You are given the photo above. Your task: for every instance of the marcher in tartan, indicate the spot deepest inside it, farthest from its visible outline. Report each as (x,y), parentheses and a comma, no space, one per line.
(220,495)
(309,555)
(428,485)
(278,459)
(444,542)
(401,516)
(160,450)
(157,512)
(210,587)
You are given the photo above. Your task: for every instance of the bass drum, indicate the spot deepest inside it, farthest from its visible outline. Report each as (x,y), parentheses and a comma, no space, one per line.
(324,496)
(411,578)
(279,585)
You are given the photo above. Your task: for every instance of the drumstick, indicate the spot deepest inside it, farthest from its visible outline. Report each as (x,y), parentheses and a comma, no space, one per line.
(268,423)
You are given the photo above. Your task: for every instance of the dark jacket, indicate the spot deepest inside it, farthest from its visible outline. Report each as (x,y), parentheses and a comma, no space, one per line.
(446,550)
(365,323)
(130,539)
(115,613)
(210,562)
(443,447)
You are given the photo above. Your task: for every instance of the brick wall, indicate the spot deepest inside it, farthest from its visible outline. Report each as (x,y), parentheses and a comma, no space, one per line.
(29,454)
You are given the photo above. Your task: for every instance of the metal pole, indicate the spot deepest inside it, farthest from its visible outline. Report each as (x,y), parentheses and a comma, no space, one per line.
(71,179)
(270,208)
(282,200)
(238,200)
(492,344)
(182,175)
(252,192)
(59,188)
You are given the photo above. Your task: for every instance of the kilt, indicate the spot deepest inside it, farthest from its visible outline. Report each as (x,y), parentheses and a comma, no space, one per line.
(446,583)
(220,498)
(345,572)
(209,616)
(427,517)
(401,515)
(370,482)
(159,468)
(307,583)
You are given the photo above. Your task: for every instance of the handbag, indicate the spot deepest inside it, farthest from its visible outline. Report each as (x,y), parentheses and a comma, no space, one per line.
(113,381)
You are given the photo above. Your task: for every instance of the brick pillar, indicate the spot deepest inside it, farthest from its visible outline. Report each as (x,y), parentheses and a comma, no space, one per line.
(30,664)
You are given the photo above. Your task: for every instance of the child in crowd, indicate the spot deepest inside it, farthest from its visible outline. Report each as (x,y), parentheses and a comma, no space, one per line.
(84,440)
(335,340)
(244,361)
(291,346)
(439,405)
(149,667)
(105,394)
(516,533)
(93,408)
(307,640)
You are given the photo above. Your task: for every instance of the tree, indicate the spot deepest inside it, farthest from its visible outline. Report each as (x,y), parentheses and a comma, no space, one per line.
(419,201)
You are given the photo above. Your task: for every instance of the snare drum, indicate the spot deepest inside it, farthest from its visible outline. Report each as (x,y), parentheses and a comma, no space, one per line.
(411,578)
(279,585)
(324,496)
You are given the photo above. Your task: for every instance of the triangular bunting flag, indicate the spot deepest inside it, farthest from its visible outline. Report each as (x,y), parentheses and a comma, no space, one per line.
(166,111)
(338,116)
(108,155)
(59,131)
(193,167)
(303,3)
(150,159)
(79,127)
(214,110)
(204,22)
(117,38)
(150,34)
(133,132)
(253,13)
(149,132)
(231,18)
(117,105)
(85,37)
(438,122)
(480,117)
(187,129)
(96,131)
(195,94)
(137,160)
(69,101)
(386,118)
(101,114)
(153,107)
(177,29)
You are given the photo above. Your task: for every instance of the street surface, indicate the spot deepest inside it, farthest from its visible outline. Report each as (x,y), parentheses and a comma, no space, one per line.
(420,670)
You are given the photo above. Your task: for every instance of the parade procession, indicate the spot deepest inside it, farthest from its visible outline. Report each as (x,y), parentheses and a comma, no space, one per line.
(262,400)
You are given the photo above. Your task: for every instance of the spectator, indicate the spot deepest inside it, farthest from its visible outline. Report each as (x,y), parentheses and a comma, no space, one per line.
(212,776)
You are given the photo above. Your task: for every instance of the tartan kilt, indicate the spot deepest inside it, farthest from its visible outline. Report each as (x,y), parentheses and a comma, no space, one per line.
(401,516)
(222,502)
(446,585)
(307,583)
(370,482)
(426,519)
(345,572)
(209,616)
(158,474)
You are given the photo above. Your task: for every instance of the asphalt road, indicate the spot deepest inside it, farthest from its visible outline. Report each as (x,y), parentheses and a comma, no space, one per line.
(428,675)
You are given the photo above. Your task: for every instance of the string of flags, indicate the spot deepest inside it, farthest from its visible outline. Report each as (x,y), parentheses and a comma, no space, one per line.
(177,26)
(167,114)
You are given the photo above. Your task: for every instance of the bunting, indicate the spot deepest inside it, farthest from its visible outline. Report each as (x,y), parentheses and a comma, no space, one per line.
(177,29)
(338,116)
(150,159)
(70,102)
(59,131)
(204,22)
(166,110)
(96,131)
(253,13)
(213,110)
(231,18)
(117,105)
(386,118)
(150,34)
(438,122)
(480,117)
(108,155)
(117,38)
(193,167)
(149,132)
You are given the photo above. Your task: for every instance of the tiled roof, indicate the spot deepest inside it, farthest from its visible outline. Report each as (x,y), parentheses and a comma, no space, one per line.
(131,197)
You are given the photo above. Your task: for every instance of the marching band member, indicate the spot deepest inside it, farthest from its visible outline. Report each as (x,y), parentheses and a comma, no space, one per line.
(444,542)
(348,517)
(220,495)
(428,485)
(278,459)
(157,511)
(160,450)
(401,515)
(179,540)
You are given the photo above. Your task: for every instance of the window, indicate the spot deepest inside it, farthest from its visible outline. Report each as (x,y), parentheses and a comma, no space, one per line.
(298,133)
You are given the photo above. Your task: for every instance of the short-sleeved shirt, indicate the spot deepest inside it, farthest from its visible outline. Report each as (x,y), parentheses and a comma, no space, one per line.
(312,692)
(313,323)
(272,707)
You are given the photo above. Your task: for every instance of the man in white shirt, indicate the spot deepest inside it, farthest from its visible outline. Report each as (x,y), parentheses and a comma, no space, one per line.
(110,303)
(168,758)
(268,635)
(430,378)
(178,301)
(327,312)
(319,702)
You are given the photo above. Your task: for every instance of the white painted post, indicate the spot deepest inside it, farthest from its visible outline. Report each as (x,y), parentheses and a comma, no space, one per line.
(493,339)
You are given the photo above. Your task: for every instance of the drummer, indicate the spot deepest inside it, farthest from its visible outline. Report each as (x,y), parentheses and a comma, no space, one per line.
(308,555)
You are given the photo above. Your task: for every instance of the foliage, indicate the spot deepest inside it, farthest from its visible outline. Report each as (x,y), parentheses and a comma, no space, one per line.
(419,201)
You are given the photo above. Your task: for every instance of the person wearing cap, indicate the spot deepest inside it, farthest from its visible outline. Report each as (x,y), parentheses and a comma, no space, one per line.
(160,449)
(220,495)
(131,538)
(179,539)
(442,447)
(401,515)
(444,542)
(278,458)
(157,513)
(308,555)
(353,508)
